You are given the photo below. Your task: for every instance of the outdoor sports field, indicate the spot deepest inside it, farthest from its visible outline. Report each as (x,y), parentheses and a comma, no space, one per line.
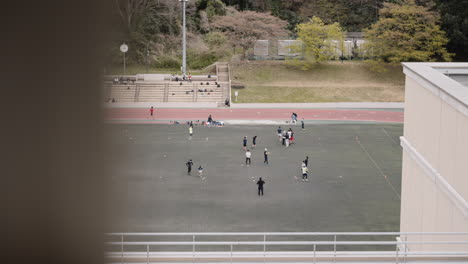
(354,179)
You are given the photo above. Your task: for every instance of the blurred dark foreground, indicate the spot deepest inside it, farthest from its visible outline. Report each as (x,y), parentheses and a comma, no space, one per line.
(53,173)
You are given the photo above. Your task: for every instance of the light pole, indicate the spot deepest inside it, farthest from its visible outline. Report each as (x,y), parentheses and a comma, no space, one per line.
(184,50)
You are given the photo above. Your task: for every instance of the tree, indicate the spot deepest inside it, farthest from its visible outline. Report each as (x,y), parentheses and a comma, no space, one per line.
(454,17)
(320,41)
(132,10)
(244,28)
(406,32)
(212,7)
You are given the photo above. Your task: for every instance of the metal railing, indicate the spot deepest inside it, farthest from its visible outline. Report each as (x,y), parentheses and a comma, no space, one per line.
(128,246)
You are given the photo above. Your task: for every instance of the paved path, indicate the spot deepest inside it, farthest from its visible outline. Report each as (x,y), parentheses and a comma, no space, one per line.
(135,115)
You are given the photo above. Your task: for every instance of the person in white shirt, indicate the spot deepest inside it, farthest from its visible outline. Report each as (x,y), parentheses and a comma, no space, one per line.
(304,173)
(248,155)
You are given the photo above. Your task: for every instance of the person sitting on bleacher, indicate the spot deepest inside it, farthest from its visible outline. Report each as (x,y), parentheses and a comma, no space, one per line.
(207,83)
(206,90)
(177,78)
(201,83)
(116,80)
(226,102)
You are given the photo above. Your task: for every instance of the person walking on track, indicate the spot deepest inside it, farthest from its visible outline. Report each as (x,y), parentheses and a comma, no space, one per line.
(151,110)
(260,184)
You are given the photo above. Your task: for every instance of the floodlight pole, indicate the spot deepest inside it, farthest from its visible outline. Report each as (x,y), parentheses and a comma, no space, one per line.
(184,41)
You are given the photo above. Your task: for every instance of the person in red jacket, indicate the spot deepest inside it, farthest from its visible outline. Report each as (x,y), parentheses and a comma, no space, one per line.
(151,111)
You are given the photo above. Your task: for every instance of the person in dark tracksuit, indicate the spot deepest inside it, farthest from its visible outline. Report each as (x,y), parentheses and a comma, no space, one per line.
(189,165)
(254,141)
(244,143)
(302,123)
(260,184)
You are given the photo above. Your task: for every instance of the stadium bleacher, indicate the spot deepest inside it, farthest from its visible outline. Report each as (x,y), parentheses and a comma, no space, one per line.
(167,91)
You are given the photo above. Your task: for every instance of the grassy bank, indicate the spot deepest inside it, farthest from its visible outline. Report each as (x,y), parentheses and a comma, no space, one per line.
(276,82)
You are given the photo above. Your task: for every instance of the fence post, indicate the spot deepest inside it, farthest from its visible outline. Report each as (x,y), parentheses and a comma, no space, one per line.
(121,248)
(147,254)
(231,253)
(334,249)
(396,254)
(193,249)
(406,239)
(314,253)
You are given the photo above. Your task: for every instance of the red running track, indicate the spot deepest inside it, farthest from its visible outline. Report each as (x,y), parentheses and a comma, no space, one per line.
(139,115)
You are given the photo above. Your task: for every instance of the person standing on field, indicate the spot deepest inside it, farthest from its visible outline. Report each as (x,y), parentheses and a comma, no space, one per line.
(248,155)
(302,123)
(265,155)
(190,129)
(189,165)
(280,133)
(244,143)
(304,173)
(254,141)
(200,171)
(260,184)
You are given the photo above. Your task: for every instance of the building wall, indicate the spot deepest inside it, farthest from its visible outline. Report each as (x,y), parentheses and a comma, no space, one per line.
(437,133)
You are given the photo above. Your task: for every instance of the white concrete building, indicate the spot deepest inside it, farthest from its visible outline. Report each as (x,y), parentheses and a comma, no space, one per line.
(435,152)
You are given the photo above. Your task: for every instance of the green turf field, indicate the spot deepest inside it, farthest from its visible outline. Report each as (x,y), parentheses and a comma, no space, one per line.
(354,179)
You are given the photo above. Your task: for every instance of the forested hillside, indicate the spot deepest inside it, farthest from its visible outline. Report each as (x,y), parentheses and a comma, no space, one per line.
(221,29)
